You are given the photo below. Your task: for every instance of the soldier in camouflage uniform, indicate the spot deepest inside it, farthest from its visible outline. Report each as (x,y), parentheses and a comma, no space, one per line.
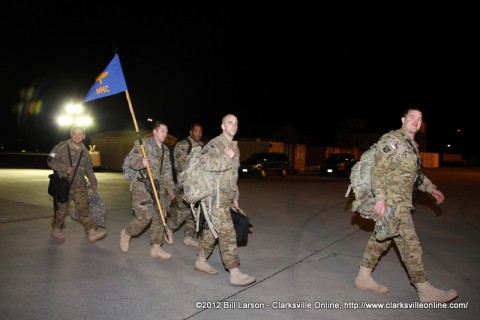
(59,160)
(393,180)
(222,155)
(181,212)
(158,159)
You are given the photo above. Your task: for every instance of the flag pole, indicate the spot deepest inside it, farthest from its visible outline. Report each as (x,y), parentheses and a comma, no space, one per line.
(152,183)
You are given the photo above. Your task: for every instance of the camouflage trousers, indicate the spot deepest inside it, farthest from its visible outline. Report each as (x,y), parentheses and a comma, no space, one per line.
(181,213)
(146,214)
(227,239)
(408,245)
(79,196)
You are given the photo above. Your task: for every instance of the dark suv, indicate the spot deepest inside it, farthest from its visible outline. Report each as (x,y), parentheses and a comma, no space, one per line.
(265,163)
(338,163)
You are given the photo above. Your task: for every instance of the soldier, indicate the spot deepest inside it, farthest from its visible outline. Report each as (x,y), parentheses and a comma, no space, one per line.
(183,213)
(144,205)
(64,159)
(222,155)
(393,180)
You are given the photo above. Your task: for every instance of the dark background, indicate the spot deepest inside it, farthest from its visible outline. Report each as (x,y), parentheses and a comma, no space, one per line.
(319,66)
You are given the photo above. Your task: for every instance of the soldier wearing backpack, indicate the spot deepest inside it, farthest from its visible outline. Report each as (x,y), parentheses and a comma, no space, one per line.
(181,213)
(222,155)
(393,179)
(158,159)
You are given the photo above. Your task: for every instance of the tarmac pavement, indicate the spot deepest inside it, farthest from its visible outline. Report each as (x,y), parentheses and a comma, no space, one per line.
(304,249)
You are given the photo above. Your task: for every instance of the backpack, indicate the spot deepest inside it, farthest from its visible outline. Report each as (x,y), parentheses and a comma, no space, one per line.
(196,183)
(130,173)
(361,183)
(172,158)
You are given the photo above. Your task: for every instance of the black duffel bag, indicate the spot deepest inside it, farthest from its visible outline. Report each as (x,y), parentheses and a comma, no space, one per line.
(241,223)
(58,187)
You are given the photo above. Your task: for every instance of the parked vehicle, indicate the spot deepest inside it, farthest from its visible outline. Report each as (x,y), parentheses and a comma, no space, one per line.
(265,163)
(338,163)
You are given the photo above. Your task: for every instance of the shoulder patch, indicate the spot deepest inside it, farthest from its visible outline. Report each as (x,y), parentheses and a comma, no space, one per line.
(391,145)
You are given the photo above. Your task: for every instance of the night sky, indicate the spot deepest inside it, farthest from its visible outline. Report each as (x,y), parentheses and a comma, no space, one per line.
(318,66)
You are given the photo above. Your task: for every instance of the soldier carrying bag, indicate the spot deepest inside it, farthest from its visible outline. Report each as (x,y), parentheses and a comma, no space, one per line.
(58,187)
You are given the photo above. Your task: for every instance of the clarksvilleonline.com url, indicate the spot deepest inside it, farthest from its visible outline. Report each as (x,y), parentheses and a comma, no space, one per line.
(404,305)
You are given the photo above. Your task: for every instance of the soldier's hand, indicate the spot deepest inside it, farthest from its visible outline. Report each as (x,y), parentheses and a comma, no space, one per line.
(229,152)
(146,162)
(438,195)
(380,208)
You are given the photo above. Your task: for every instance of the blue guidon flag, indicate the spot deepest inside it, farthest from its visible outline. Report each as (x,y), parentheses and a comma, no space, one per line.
(111,81)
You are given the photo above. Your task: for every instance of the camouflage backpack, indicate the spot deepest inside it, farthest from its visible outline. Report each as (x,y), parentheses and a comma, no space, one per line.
(361,183)
(130,173)
(196,183)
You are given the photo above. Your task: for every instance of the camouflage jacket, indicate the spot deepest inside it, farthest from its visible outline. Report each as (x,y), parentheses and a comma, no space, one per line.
(154,154)
(393,175)
(181,152)
(214,159)
(59,161)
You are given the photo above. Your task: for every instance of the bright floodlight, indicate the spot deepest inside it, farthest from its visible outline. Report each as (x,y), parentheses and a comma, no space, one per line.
(65,120)
(74,108)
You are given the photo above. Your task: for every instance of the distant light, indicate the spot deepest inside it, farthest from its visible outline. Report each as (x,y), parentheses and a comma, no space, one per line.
(74,116)
(65,120)
(458,130)
(448,146)
(74,108)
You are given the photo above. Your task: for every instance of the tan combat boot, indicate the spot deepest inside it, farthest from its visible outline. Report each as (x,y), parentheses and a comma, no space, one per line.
(365,281)
(57,234)
(189,242)
(124,241)
(158,252)
(202,265)
(94,235)
(169,236)
(428,293)
(238,279)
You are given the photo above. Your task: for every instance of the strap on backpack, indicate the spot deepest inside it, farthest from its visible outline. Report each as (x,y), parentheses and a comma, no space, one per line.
(206,212)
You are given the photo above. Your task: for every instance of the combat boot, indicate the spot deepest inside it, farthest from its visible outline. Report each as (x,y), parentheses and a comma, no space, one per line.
(158,252)
(365,281)
(169,236)
(124,241)
(238,279)
(189,242)
(94,235)
(428,293)
(57,234)
(202,265)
